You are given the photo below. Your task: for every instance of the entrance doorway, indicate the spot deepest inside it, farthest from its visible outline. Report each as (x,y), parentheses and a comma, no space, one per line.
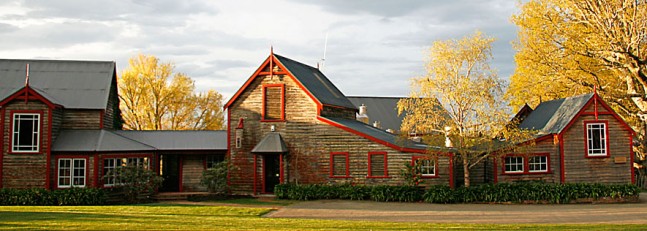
(271,172)
(170,171)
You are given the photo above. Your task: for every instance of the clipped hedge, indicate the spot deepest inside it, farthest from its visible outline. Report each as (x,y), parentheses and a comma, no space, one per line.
(489,193)
(37,196)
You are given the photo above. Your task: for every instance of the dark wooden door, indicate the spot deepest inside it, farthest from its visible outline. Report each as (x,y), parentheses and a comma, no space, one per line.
(170,171)
(272,170)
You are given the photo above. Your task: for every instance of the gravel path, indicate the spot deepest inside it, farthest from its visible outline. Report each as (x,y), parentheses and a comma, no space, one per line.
(633,213)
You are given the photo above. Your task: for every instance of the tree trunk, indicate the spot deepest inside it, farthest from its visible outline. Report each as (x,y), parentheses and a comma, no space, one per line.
(466,172)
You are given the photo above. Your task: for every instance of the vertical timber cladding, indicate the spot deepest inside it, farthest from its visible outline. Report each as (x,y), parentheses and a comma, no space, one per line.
(25,170)
(579,168)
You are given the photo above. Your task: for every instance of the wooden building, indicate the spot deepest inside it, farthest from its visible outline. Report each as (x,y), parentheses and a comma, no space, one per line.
(579,139)
(289,123)
(60,124)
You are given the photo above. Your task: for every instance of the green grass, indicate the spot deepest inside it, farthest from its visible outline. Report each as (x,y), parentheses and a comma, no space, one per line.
(158,217)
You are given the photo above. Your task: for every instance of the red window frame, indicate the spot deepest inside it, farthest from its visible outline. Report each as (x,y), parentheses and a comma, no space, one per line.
(332,164)
(72,157)
(435,160)
(386,164)
(265,86)
(526,164)
(586,138)
(40,131)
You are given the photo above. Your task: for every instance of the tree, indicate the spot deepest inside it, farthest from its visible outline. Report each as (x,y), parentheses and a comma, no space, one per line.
(567,47)
(460,96)
(150,101)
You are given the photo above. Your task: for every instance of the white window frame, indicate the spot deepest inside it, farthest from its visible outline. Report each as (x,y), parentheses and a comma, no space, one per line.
(72,173)
(426,166)
(541,161)
(15,132)
(601,129)
(519,160)
(121,162)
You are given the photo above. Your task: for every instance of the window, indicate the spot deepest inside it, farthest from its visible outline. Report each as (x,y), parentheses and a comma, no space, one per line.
(71,172)
(339,164)
(538,164)
(377,164)
(110,164)
(596,139)
(273,98)
(427,166)
(212,160)
(530,164)
(513,164)
(26,132)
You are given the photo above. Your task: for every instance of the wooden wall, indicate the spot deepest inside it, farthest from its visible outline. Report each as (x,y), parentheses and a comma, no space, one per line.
(81,119)
(192,168)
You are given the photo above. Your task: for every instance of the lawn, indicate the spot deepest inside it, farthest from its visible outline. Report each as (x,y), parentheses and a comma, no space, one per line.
(158,216)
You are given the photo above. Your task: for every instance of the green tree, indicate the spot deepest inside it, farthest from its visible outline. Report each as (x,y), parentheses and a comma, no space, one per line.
(460,96)
(153,97)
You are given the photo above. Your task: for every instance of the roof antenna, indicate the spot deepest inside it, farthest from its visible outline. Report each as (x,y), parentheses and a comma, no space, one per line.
(323,60)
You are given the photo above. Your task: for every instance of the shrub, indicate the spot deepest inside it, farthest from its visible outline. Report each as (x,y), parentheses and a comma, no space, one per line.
(37,196)
(135,182)
(215,179)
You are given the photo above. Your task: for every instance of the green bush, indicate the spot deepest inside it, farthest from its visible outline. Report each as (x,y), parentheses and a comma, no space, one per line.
(135,182)
(215,179)
(37,196)
(490,193)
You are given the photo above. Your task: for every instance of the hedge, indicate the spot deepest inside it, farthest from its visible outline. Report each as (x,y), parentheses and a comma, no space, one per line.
(37,196)
(487,193)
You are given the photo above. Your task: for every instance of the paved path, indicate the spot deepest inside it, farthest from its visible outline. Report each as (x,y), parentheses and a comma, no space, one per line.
(634,213)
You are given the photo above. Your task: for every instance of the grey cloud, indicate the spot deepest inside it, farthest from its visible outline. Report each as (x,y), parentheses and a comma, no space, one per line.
(56,35)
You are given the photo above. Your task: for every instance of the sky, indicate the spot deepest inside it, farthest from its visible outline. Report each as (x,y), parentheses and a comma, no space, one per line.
(373,48)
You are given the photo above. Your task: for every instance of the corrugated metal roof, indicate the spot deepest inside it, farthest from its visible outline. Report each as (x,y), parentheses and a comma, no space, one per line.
(72,84)
(271,143)
(551,117)
(114,141)
(378,134)
(382,109)
(180,140)
(96,141)
(315,82)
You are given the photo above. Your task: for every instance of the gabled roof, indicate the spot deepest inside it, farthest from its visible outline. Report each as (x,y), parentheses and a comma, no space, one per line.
(179,140)
(118,141)
(375,134)
(315,83)
(551,117)
(71,84)
(382,109)
(271,143)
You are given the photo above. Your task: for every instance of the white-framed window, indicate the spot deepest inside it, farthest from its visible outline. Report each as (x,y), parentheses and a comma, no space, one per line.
(25,132)
(110,164)
(596,139)
(513,164)
(538,164)
(71,172)
(427,166)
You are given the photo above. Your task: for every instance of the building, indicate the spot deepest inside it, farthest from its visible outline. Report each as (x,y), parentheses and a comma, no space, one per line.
(60,124)
(579,139)
(289,123)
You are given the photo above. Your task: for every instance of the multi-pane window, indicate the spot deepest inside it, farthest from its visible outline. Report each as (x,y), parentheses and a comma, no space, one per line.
(513,164)
(339,164)
(26,132)
(273,102)
(538,164)
(110,164)
(71,172)
(212,160)
(377,165)
(427,166)
(596,139)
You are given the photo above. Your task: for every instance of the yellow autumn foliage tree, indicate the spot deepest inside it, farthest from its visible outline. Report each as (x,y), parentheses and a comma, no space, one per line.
(153,97)
(460,96)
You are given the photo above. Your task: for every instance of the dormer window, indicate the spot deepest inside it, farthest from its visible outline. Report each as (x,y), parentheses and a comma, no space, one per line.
(25,132)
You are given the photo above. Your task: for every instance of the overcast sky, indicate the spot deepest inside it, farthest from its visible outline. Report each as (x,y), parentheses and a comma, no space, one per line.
(374,46)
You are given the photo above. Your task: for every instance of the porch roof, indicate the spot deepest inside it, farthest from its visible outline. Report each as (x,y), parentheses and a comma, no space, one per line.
(271,143)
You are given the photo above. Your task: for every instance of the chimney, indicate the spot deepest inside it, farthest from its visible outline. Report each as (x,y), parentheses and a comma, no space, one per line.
(448,142)
(362,116)
(376,124)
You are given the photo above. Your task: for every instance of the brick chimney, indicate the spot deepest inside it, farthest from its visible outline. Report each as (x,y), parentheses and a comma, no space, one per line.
(362,115)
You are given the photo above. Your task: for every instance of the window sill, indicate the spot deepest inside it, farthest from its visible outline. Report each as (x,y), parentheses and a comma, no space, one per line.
(597,156)
(28,153)
(526,173)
